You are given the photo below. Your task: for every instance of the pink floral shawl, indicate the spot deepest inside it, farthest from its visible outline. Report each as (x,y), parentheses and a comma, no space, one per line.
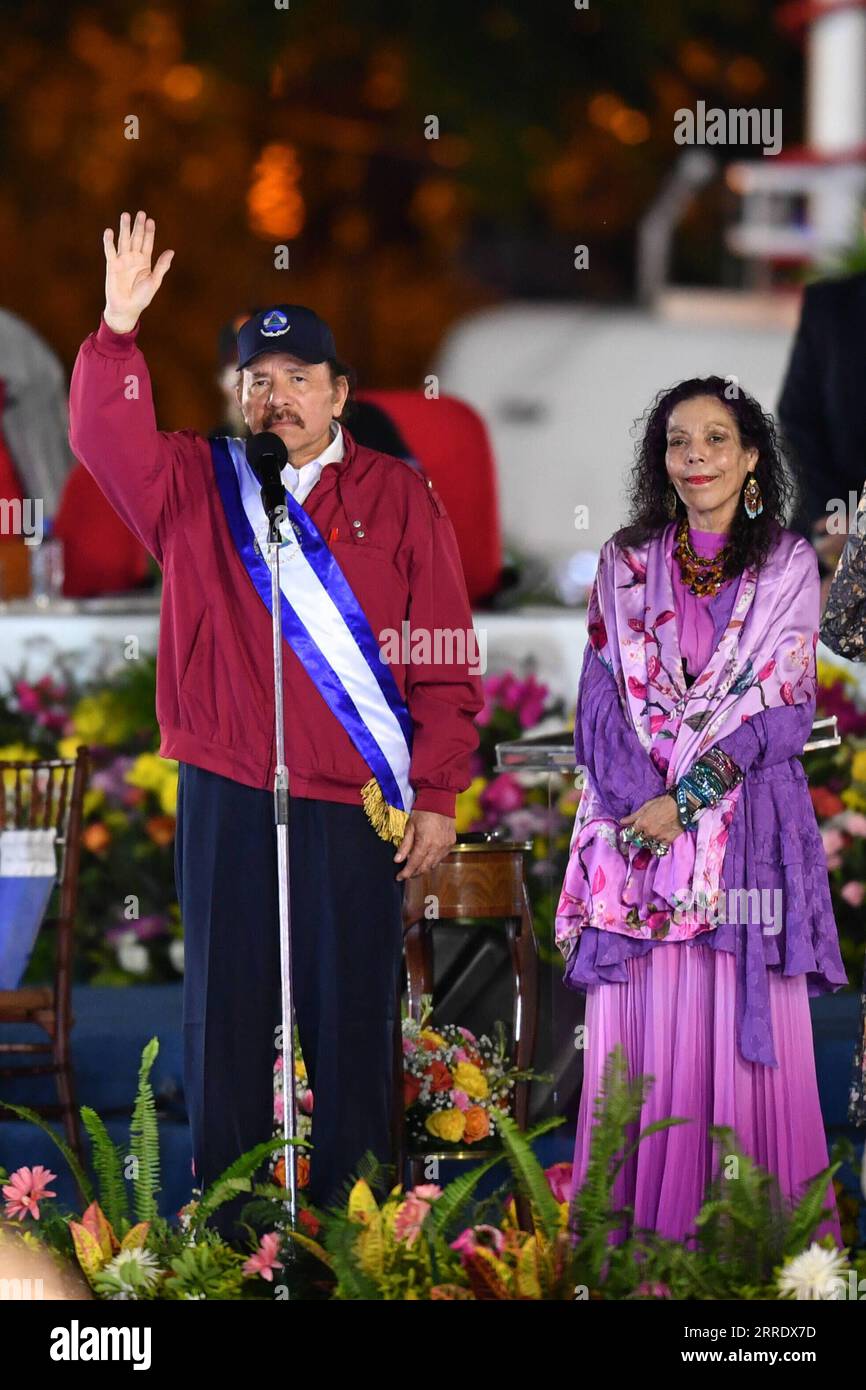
(765,658)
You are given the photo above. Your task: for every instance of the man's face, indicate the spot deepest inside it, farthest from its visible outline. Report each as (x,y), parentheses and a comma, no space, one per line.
(294,399)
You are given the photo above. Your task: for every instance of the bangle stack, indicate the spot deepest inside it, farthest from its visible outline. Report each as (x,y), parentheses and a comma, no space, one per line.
(706,782)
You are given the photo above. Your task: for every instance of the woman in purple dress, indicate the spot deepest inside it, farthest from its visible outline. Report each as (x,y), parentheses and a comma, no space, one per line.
(696,910)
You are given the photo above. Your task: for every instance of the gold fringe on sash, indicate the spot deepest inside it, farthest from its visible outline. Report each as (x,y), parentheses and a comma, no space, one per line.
(388,822)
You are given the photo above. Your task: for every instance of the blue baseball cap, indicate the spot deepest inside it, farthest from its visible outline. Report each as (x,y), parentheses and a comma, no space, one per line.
(285,328)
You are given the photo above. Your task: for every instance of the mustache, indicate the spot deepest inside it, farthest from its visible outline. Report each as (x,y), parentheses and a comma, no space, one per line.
(275,417)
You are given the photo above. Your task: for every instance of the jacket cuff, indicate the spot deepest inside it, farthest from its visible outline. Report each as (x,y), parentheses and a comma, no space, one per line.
(112,344)
(433,799)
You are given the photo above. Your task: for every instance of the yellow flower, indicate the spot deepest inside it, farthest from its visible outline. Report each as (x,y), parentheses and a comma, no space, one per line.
(159,775)
(468,1078)
(17,752)
(93,799)
(468,808)
(446,1124)
(98,719)
(829,672)
(427,1035)
(854,799)
(147,772)
(68,747)
(858,765)
(168,792)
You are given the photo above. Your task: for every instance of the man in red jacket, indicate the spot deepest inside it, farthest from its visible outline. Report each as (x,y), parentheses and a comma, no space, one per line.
(376,751)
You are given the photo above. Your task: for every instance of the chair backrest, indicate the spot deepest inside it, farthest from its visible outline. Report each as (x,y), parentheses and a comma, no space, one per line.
(48,794)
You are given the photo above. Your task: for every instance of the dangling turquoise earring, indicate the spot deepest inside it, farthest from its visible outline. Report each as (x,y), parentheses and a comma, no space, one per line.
(752,498)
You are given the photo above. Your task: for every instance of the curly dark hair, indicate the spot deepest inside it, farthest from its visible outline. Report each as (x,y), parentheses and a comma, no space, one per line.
(750,540)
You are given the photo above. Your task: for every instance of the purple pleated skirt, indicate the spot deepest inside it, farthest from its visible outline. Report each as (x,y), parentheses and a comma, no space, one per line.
(675,1020)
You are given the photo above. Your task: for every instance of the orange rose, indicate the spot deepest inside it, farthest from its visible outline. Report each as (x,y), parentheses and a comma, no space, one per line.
(442,1078)
(96,837)
(477,1124)
(160,829)
(303,1171)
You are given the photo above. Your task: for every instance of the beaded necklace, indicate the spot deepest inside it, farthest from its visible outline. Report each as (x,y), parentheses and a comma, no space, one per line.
(702,574)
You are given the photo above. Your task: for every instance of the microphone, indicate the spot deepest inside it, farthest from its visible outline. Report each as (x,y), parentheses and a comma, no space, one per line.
(267,456)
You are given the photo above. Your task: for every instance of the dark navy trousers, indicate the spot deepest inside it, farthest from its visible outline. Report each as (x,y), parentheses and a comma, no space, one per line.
(346,968)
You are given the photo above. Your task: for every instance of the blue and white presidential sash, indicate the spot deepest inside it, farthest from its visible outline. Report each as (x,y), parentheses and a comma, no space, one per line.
(327,629)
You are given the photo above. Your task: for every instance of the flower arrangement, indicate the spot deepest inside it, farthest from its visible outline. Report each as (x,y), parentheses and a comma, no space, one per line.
(303,1114)
(430,1242)
(128,921)
(837,785)
(122,1246)
(455,1084)
(437,1243)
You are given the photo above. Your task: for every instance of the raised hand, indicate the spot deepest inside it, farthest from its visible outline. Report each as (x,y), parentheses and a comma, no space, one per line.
(130,283)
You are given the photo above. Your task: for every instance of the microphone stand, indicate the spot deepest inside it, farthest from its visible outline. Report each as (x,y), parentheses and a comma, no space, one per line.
(281,812)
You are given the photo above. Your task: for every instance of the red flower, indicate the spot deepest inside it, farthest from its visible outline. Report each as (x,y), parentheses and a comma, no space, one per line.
(825,802)
(638,690)
(442,1080)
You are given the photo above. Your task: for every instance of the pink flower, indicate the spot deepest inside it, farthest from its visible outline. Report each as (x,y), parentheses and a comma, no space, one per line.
(834,841)
(305,1102)
(265,1261)
(853,893)
(653,666)
(26,1188)
(657,721)
(855,823)
(503,794)
(28,697)
(470,1037)
(636,688)
(409,1047)
(559,1177)
(413,1211)
(533,698)
(653,1290)
(467,1242)
(786,692)
(460,1100)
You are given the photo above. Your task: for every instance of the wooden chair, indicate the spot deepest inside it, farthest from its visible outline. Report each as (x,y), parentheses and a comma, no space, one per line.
(43,795)
(482,880)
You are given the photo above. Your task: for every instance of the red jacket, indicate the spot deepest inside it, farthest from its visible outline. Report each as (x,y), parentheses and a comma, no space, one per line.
(215,688)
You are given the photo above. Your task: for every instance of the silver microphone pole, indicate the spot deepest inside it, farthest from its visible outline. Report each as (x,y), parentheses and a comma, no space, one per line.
(281,811)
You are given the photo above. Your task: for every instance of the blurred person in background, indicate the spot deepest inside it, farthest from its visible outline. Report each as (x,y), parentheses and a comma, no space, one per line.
(843,630)
(822,409)
(233,422)
(34,453)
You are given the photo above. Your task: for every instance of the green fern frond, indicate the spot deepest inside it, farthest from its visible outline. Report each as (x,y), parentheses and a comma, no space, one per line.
(807,1214)
(144,1139)
(529,1175)
(108,1167)
(241,1170)
(455,1196)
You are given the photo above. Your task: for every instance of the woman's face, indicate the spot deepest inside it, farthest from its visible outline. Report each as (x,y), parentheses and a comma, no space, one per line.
(706,461)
